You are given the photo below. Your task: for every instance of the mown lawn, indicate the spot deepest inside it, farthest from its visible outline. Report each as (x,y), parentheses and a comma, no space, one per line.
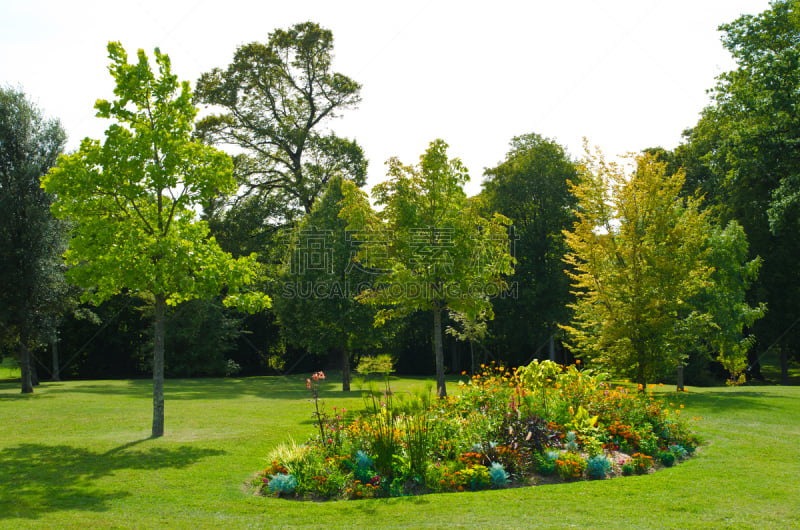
(78,455)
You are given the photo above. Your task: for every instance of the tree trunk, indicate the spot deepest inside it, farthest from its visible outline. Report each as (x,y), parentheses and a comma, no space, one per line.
(345,369)
(784,366)
(56,366)
(158,367)
(441,389)
(25,366)
(472,358)
(680,387)
(551,348)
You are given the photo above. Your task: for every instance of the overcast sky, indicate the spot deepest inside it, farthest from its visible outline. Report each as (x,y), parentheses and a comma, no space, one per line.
(624,74)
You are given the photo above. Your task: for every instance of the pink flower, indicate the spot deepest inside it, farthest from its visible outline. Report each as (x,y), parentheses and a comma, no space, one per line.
(308,383)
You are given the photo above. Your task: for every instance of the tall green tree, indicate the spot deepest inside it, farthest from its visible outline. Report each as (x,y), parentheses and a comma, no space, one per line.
(276,100)
(743,154)
(31,240)
(531,187)
(428,244)
(132,198)
(315,302)
(641,268)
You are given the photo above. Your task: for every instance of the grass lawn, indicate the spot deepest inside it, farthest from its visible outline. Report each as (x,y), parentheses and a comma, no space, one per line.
(78,455)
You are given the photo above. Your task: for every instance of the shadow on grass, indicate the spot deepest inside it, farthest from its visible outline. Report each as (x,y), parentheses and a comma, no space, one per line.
(736,399)
(39,479)
(290,387)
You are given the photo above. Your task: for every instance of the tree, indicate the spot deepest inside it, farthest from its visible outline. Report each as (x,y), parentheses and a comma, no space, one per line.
(31,240)
(132,199)
(642,265)
(429,246)
(277,97)
(315,303)
(743,153)
(531,188)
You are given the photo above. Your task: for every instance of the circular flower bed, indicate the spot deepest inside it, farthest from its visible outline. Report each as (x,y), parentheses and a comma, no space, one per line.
(541,423)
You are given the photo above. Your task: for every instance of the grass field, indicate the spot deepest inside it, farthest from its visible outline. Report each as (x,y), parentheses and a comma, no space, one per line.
(78,455)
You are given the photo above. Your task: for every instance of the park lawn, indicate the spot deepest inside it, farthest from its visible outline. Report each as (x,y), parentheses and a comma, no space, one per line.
(78,455)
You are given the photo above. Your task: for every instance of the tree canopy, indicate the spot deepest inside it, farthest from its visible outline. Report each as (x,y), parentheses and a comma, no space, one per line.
(276,100)
(132,198)
(531,188)
(31,240)
(640,268)
(743,154)
(429,245)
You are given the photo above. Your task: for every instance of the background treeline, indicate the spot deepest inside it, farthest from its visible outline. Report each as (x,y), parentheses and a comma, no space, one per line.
(741,158)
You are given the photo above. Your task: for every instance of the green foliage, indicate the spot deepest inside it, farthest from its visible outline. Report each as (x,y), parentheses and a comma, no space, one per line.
(31,241)
(628,469)
(531,188)
(276,98)
(476,439)
(644,272)
(315,301)
(131,200)
(376,364)
(131,197)
(498,475)
(598,466)
(743,154)
(570,466)
(428,244)
(282,484)
(667,458)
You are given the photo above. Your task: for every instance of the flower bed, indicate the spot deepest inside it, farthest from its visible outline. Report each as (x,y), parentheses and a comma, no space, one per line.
(537,424)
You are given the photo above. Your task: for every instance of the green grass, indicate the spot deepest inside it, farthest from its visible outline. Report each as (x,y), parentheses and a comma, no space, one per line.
(78,455)
(9,369)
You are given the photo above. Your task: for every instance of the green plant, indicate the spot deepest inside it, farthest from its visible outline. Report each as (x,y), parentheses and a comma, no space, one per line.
(547,462)
(642,463)
(570,466)
(679,451)
(282,484)
(498,475)
(571,443)
(476,477)
(628,469)
(232,368)
(667,458)
(598,466)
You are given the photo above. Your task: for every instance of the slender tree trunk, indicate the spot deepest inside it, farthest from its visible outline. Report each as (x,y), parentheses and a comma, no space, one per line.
(441,390)
(25,365)
(784,366)
(680,387)
(158,367)
(56,366)
(345,369)
(472,358)
(551,348)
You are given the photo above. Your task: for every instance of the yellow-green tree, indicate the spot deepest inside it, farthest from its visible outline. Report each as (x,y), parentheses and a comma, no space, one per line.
(132,201)
(642,265)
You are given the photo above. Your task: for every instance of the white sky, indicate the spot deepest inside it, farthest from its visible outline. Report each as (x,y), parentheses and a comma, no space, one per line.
(624,74)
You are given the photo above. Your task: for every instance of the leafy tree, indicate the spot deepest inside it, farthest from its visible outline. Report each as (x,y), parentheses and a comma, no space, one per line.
(31,240)
(643,272)
(531,188)
(315,303)
(276,99)
(431,248)
(743,154)
(132,196)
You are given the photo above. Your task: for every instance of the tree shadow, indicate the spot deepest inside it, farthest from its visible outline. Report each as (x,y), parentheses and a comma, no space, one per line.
(40,479)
